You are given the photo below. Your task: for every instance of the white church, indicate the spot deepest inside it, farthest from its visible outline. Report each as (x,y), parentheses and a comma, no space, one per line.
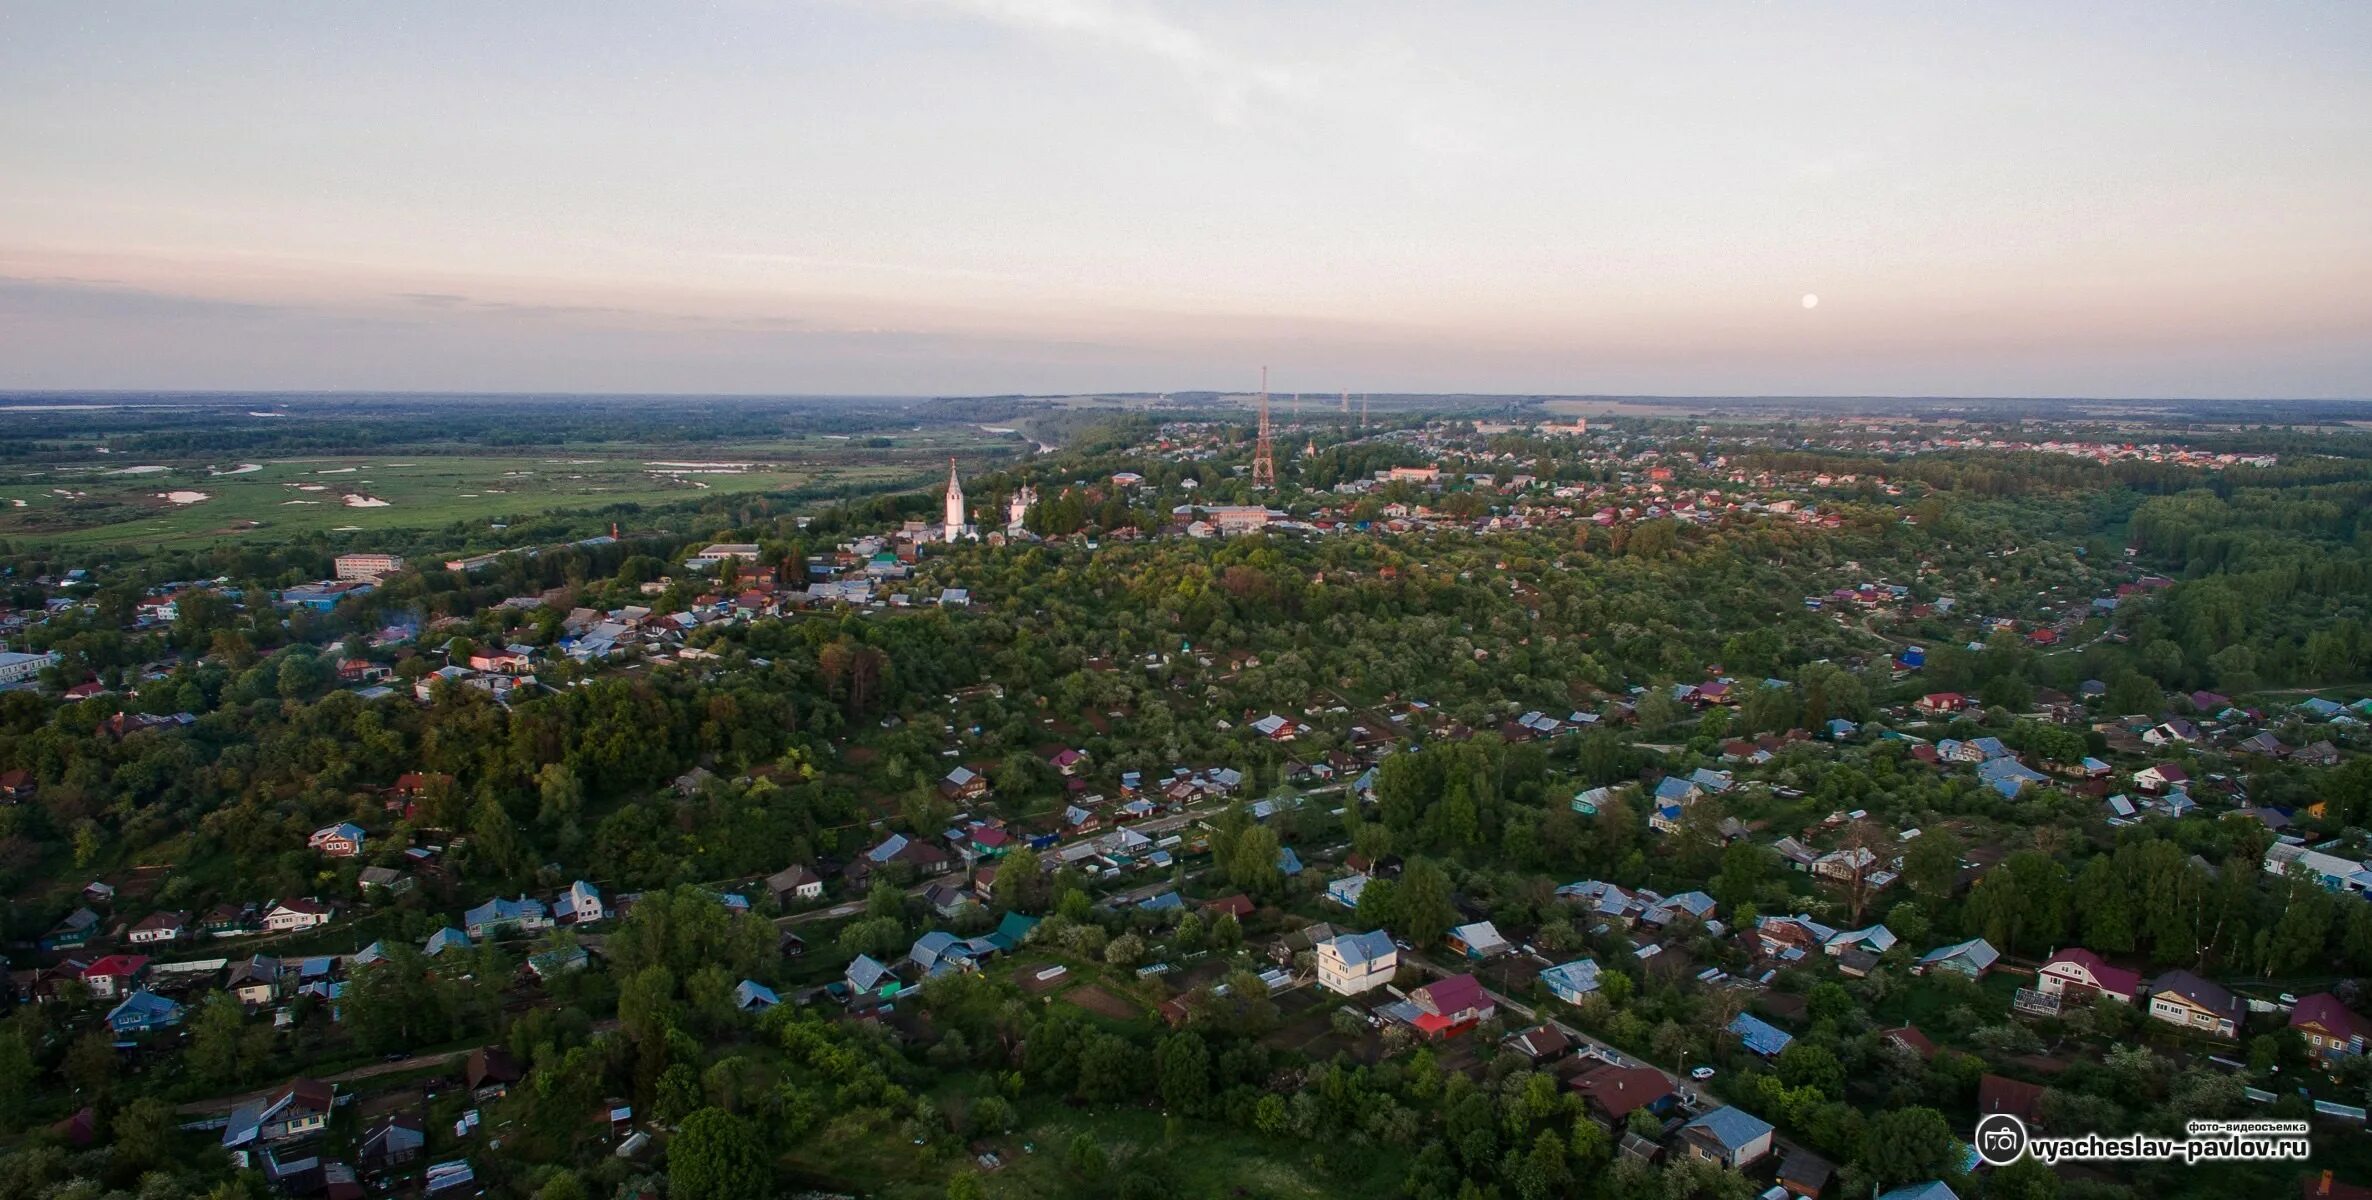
(958,527)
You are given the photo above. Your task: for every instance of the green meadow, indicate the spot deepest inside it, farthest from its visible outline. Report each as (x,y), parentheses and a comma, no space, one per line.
(168,503)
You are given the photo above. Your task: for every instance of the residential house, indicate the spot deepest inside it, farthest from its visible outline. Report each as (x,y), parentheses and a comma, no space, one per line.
(73,933)
(2333,872)
(2332,1030)
(1571,981)
(1760,1036)
(579,905)
(1352,963)
(1445,1007)
(1940,704)
(2183,999)
(141,1012)
(925,858)
(1479,940)
(1540,1043)
(298,1110)
(2162,778)
(498,918)
(947,899)
(160,928)
(2000,1094)
(1933,1189)
(391,1142)
(1346,890)
(1804,1174)
(1730,1137)
(795,884)
(869,982)
(2079,974)
(342,840)
(489,1073)
(231,920)
(115,975)
(1791,938)
(289,916)
(1694,906)
(1972,958)
(1909,1037)
(254,982)
(1612,1093)
(963,783)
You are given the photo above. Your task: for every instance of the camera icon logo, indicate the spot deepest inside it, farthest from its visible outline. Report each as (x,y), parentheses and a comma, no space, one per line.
(2001,1140)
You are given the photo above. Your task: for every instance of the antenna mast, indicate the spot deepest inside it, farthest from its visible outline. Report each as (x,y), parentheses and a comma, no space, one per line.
(1264,457)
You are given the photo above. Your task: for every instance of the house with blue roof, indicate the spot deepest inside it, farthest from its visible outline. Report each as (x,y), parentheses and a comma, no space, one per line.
(141,1012)
(1352,963)
(2008,776)
(1572,981)
(751,996)
(1673,789)
(939,952)
(1972,958)
(1760,1036)
(1012,930)
(445,939)
(1933,1189)
(1838,729)
(1729,1137)
(1347,890)
(1288,861)
(1164,902)
(1694,905)
(506,918)
(1711,781)
(870,981)
(1877,939)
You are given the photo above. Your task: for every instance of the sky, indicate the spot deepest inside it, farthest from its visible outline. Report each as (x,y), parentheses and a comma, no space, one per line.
(985,196)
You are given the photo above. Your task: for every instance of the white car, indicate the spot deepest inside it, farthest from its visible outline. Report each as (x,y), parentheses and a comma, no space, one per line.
(1701,1074)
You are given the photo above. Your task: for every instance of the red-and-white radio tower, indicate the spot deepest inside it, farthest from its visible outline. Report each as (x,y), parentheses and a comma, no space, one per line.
(1264,455)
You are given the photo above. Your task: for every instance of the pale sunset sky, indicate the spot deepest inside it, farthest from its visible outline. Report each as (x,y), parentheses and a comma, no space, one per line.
(975,196)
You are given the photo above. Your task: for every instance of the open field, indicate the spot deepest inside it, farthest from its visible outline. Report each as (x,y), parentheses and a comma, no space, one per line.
(181,502)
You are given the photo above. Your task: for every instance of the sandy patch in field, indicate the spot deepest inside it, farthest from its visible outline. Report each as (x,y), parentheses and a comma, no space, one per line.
(356,501)
(337,470)
(310,487)
(183,497)
(347,529)
(17,503)
(241,469)
(286,503)
(135,470)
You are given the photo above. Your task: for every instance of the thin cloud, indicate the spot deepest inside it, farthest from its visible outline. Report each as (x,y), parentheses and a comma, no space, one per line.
(1229,82)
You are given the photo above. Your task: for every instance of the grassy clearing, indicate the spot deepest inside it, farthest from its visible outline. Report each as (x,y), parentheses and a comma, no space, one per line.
(85,506)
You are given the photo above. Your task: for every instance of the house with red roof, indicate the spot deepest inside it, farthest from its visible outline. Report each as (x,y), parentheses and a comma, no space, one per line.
(1613,1093)
(1941,704)
(1999,1094)
(2332,1030)
(1910,1038)
(115,975)
(2079,974)
(1446,1007)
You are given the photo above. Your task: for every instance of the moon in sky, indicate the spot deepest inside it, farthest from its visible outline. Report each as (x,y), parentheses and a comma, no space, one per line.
(1811,301)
